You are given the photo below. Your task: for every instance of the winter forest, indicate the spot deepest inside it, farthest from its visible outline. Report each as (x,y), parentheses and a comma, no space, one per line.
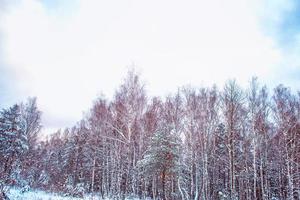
(198,143)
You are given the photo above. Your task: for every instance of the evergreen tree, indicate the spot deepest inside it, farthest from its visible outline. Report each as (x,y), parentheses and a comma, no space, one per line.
(13,141)
(161,159)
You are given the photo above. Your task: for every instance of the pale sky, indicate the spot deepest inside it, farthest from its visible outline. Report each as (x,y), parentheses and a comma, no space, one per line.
(67,52)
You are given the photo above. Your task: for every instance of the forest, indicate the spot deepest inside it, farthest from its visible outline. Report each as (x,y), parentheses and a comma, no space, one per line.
(205,143)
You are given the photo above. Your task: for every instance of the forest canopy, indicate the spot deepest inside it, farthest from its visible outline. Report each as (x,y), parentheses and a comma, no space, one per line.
(199,143)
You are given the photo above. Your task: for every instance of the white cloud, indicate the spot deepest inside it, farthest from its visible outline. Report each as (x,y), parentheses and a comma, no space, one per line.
(67,58)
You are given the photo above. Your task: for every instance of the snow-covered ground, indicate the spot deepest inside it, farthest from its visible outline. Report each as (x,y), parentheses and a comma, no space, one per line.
(16,194)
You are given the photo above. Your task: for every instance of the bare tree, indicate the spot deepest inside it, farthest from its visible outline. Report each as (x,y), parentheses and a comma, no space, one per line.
(233,114)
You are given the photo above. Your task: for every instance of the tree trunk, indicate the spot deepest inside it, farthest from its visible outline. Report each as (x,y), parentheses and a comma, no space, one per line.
(163,180)
(154,188)
(232,170)
(93,174)
(254,168)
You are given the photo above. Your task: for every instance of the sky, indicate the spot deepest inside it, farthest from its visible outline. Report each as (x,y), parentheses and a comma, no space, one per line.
(68,52)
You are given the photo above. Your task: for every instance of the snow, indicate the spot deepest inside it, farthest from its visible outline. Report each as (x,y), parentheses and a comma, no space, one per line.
(16,194)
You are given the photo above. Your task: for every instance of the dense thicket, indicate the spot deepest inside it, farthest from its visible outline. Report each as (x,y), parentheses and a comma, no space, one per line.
(205,143)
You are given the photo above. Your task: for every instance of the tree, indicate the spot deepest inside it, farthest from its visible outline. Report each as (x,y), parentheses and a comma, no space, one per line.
(258,134)
(127,110)
(13,141)
(200,121)
(31,116)
(161,159)
(233,113)
(288,130)
(197,144)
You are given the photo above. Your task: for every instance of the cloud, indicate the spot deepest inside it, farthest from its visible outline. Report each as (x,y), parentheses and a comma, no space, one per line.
(67,53)
(279,19)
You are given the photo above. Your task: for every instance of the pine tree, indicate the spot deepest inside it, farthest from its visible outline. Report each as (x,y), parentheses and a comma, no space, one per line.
(13,140)
(161,159)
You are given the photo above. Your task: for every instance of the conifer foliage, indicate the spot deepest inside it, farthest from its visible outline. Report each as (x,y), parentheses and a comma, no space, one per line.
(161,161)
(13,140)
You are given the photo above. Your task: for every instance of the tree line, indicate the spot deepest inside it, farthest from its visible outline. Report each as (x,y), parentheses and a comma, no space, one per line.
(199,143)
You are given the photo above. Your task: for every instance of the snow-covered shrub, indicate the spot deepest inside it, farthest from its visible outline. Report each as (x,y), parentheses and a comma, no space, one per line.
(25,188)
(77,191)
(43,179)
